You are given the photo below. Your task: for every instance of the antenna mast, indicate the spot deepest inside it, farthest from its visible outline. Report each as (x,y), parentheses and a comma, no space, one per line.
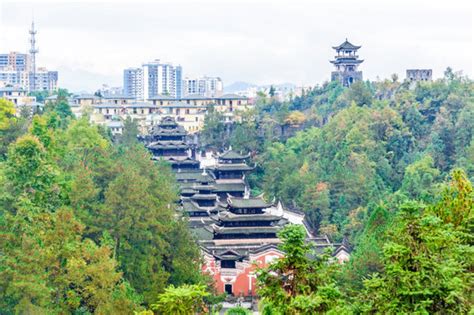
(33,52)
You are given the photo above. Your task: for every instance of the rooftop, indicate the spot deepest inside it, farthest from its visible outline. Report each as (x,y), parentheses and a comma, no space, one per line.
(117,97)
(242,203)
(230,187)
(346,45)
(346,61)
(233,167)
(231,97)
(232,217)
(232,155)
(245,229)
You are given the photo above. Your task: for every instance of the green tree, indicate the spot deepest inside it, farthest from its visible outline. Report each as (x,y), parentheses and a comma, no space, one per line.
(183,300)
(215,130)
(46,266)
(7,113)
(297,284)
(420,177)
(130,132)
(427,258)
(238,310)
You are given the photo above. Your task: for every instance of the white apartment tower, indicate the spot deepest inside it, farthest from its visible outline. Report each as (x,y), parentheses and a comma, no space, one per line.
(152,79)
(133,82)
(203,86)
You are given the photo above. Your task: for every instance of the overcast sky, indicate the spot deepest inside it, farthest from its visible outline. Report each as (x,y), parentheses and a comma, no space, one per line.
(91,42)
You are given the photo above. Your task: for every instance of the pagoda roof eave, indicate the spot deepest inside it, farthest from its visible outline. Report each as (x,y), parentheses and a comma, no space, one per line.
(346,45)
(228,216)
(340,61)
(243,203)
(245,230)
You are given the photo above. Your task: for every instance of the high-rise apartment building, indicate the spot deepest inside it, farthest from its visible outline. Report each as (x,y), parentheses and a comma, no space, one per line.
(15,61)
(44,80)
(179,81)
(152,79)
(133,82)
(203,86)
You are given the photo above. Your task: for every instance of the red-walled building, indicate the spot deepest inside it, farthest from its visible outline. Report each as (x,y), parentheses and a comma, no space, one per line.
(236,274)
(244,238)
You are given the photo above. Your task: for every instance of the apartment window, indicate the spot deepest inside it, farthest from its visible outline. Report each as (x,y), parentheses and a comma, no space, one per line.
(187,111)
(134,110)
(197,118)
(107,110)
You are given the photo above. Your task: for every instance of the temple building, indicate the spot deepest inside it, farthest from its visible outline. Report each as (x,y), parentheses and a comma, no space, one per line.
(243,238)
(346,63)
(229,173)
(167,141)
(237,233)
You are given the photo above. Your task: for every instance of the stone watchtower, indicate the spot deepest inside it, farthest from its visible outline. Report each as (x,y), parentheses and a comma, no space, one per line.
(346,62)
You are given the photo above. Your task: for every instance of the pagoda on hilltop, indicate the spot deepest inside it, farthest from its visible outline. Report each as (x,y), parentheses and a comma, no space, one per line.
(229,173)
(167,141)
(346,63)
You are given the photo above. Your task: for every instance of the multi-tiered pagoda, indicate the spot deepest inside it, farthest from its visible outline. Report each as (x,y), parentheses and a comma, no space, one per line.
(230,173)
(168,142)
(246,218)
(199,201)
(346,63)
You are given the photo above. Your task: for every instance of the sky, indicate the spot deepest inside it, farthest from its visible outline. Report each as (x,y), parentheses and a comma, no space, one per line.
(260,41)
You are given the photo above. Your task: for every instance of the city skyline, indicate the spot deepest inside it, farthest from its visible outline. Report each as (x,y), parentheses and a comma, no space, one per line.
(256,47)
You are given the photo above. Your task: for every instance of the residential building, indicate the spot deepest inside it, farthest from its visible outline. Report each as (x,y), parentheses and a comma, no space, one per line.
(179,81)
(44,80)
(152,79)
(160,78)
(133,82)
(15,61)
(346,64)
(21,99)
(106,90)
(15,78)
(189,111)
(203,86)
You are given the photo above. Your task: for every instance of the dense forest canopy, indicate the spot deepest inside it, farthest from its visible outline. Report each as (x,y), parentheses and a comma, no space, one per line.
(86,225)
